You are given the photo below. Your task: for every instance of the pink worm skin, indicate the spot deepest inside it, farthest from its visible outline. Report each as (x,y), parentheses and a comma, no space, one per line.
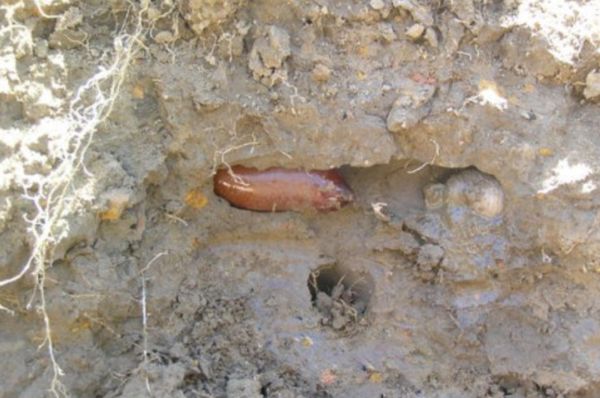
(279,189)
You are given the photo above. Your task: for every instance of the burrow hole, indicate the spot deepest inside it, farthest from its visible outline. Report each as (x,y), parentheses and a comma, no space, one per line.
(332,283)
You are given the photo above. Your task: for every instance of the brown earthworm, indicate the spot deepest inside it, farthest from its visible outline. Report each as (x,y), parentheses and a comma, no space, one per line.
(280,189)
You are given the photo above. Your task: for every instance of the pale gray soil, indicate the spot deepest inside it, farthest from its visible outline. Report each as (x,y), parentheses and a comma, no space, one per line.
(466,267)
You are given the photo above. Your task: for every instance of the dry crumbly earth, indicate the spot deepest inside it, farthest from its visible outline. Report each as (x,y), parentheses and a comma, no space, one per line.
(467,266)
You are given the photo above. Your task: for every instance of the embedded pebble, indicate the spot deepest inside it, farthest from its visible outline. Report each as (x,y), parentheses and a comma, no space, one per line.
(429,256)
(266,60)
(415,31)
(431,37)
(420,13)
(321,73)
(407,243)
(201,14)
(480,192)
(164,37)
(592,85)
(387,32)
(377,4)
(153,13)
(41,48)
(409,108)
(434,195)
(428,226)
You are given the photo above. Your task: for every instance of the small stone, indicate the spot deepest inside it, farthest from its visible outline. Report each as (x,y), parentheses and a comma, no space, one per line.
(307,341)
(243,388)
(407,243)
(592,85)
(153,13)
(428,226)
(174,207)
(41,48)
(527,115)
(331,92)
(429,256)
(415,31)
(279,41)
(201,14)
(339,322)
(480,192)
(266,60)
(381,211)
(321,73)
(400,119)
(431,37)
(164,37)
(324,302)
(419,13)
(409,108)
(377,4)
(434,195)
(387,32)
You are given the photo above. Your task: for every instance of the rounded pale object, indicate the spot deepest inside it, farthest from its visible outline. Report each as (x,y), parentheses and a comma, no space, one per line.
(481,192)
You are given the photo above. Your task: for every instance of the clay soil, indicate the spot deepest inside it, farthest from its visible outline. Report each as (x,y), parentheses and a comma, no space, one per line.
(466,266)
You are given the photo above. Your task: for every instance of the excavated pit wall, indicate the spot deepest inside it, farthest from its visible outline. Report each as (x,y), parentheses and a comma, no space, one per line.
(467,265)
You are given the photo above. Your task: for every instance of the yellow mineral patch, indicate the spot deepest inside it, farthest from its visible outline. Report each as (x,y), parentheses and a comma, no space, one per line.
(362,51)
(81,325)
(138,91)
(376,377)
(488,85)
(117,202)
(306,341)
(196,199)
(545,152)
(111,214)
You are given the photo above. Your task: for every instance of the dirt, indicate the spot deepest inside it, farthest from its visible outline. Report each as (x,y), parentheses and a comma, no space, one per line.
(467,266)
